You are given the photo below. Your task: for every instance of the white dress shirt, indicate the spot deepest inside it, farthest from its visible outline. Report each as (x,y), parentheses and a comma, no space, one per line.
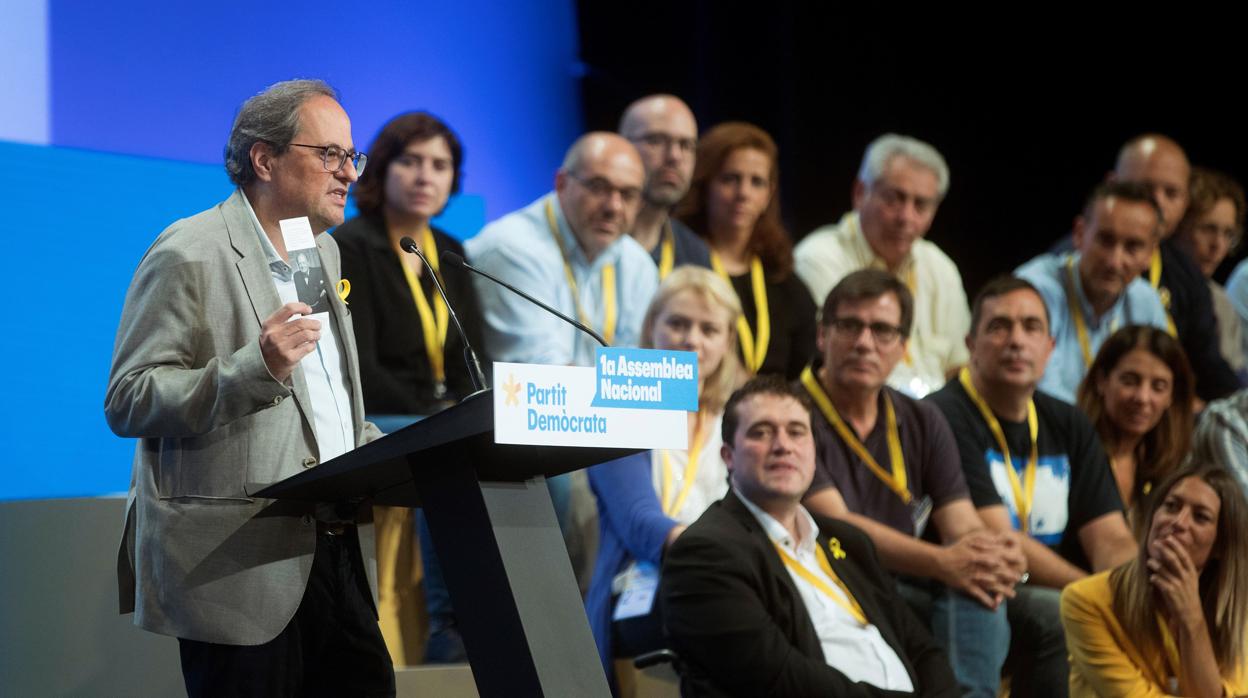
(324,370)
(860,653)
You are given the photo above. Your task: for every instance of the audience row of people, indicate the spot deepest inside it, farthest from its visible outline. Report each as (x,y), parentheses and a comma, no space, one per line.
(986,456)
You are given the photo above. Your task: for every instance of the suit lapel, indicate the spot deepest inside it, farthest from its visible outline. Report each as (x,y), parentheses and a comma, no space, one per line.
(809,640)
(253,269)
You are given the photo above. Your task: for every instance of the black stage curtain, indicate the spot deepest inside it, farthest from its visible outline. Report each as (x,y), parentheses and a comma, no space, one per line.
(1028,110)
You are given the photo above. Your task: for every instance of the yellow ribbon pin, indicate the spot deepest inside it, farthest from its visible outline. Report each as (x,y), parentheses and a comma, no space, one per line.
(835,546)
(344,290)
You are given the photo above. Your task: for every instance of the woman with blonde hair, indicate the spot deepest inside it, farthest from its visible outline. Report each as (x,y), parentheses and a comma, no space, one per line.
(1138,393)
(1173,620)
(646,500)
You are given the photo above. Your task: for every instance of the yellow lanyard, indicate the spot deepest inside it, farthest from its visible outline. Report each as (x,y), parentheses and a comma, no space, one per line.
(848,602)
(433,321)
(673,502)
(667,251)
(1154,279)
(752,350)
(897,480)
(1076,312)
(609,311)
(1026,490)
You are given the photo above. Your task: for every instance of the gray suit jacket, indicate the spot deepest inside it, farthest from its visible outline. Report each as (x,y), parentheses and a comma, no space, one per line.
(201,558)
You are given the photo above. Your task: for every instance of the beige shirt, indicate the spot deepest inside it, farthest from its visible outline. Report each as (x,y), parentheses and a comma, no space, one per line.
(941,316)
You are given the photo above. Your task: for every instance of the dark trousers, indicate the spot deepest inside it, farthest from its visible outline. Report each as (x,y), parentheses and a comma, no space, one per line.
(332,646)
(1037,658)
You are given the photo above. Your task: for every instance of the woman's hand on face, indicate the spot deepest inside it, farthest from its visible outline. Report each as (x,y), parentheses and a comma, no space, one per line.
(1172,573)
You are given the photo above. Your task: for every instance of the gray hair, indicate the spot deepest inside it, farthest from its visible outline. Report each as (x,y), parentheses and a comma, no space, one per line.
(272,116)
(882,150)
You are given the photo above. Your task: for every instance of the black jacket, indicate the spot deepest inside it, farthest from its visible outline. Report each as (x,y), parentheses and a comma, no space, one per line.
(394,368)
(739,625)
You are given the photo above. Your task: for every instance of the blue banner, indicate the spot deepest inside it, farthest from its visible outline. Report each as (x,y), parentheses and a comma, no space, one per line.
(648,379)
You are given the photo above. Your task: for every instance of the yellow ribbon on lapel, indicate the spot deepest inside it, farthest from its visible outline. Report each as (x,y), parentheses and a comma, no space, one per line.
(835,546)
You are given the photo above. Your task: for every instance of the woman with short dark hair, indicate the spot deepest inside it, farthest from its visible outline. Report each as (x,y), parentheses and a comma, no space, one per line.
(411,360)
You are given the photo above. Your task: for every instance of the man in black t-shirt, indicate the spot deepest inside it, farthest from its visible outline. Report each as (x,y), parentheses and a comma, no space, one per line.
(1073,515)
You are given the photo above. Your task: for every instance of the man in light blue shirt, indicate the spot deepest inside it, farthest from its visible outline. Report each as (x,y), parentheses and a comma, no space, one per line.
(570,249)
(1097,289)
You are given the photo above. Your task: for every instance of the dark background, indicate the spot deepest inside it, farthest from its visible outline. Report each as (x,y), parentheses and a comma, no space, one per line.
(1029,112)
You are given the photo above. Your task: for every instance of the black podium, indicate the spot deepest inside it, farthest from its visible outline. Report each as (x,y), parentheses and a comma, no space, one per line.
(495,533)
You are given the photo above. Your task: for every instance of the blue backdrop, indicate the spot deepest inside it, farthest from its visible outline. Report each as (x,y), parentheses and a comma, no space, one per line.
(140,96)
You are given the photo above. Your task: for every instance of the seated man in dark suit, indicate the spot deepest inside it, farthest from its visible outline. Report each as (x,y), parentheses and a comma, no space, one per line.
(761,598)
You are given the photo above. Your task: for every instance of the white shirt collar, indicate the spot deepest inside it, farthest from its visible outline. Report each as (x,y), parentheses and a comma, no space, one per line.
(776,531)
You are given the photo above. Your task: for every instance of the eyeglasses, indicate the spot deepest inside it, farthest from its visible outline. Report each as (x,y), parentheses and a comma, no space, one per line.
(663,141)
(334,157)
(602,189)
(851,328)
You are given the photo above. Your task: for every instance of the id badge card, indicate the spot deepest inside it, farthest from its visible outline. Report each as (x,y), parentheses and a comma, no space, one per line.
(920,513)
(639,584)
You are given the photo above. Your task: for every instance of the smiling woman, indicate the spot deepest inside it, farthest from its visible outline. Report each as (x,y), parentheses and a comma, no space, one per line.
(1138,394)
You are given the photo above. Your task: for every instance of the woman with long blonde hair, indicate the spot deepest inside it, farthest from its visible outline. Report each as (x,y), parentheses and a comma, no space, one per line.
(1173,620)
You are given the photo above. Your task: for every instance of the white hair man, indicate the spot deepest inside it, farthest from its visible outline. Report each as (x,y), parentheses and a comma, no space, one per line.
(900,185)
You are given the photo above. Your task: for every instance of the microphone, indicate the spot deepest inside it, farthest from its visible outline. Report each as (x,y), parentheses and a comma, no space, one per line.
(470,356)
(455,260)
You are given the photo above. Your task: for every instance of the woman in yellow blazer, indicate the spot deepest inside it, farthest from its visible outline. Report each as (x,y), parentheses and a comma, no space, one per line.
(1173,620)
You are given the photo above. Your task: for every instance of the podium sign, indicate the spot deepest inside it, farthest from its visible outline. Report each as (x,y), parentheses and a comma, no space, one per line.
(568,405)
(494,529)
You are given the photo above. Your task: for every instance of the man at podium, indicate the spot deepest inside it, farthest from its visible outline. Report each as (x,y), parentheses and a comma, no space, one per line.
(229,386)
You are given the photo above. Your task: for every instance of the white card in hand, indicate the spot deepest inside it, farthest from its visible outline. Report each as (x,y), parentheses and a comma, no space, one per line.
(297,233)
